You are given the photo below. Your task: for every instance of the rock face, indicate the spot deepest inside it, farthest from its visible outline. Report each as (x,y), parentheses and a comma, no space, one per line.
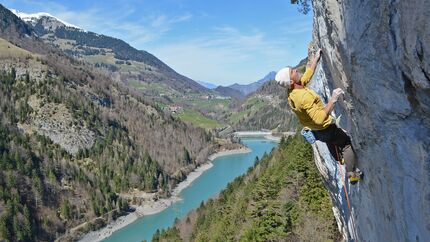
(56,122)
(379,53)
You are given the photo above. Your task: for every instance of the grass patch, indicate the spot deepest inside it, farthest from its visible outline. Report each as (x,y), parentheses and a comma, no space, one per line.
(251,106)
(9,50)
(211,104)
(143,86)
(107,59)
(198,119)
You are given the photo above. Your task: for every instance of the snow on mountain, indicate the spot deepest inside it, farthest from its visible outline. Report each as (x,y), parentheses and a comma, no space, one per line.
(35,17)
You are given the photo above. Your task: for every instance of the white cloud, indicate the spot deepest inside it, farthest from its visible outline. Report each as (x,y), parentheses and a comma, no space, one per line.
(226,56)
(182,18)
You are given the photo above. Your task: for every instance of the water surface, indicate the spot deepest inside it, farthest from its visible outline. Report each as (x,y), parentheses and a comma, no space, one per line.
(211,182)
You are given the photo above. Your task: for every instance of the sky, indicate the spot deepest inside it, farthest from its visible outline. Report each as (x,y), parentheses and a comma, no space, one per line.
(221,42)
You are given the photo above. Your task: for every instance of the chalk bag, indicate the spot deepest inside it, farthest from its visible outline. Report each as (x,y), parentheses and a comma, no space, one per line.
(308,135)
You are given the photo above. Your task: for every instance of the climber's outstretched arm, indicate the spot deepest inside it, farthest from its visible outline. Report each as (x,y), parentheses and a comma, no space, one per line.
(306,78)
(315,60)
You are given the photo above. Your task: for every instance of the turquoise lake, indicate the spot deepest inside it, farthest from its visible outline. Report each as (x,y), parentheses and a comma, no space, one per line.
(210,183)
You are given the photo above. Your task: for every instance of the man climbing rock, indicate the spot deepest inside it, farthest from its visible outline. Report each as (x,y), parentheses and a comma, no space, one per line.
(314,116)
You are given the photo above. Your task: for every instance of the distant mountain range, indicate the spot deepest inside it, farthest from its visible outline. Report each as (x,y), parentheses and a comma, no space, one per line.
(249,88)
(240,91)
(207,84)
(230,92)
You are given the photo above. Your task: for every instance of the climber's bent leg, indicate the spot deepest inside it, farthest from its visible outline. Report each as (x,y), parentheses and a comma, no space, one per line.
(339,145)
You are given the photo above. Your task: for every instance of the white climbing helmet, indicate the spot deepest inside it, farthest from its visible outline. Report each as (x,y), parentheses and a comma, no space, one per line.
(283,77)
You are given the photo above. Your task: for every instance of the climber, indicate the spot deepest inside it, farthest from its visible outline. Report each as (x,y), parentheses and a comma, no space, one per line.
(314,116)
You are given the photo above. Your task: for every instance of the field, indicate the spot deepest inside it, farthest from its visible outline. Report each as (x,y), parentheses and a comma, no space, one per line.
(9,50)
(211,104)
(252,105)
(198,119)
(143,86)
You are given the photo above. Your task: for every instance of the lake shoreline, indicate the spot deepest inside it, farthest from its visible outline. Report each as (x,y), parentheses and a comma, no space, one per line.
(265,135)
(154,207)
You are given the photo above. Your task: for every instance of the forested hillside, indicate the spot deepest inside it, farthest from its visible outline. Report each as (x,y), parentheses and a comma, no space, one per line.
(266,108)
(72,140)
(281,198)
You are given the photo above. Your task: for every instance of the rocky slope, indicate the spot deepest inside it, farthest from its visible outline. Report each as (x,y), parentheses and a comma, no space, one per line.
(379,53)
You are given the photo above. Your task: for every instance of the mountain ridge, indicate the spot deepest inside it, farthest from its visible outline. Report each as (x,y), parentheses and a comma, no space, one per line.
(86,44)
(207,84)
(246,89)
(230,92)
(34,17)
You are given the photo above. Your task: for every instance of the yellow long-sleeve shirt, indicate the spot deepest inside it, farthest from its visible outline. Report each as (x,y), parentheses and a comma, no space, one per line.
(307,105)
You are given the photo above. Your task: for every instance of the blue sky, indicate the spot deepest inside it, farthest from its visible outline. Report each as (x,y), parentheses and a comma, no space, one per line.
(221,41)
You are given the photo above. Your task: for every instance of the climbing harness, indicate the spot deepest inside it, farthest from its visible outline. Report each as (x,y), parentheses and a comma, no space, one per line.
(346,194)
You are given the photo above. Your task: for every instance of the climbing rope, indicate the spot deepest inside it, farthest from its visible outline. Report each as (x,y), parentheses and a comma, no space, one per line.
(346,195)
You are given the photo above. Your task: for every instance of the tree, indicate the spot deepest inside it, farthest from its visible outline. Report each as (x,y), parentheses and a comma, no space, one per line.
(304,6)
(156,236)
(27,227)
(4,229)
(27,77)
(17,229)
(13,73)
(65,210)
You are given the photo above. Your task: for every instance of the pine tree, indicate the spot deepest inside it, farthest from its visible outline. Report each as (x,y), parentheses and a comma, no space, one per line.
(13,74)
(66,212)
(27,225)
(4,229)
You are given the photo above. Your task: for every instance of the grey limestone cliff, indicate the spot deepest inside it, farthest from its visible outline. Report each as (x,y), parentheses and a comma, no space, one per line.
(379,53)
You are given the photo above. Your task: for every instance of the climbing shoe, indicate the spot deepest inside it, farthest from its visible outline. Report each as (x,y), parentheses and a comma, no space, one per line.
(358,176)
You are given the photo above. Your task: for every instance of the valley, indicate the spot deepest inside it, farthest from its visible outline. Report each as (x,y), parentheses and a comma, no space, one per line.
(106,134)
(96,132)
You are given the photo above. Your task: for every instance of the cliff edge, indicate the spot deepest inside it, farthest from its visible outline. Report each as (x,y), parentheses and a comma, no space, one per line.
(379,53)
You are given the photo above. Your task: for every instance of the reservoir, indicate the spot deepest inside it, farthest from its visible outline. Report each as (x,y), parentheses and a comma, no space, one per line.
(225,169)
